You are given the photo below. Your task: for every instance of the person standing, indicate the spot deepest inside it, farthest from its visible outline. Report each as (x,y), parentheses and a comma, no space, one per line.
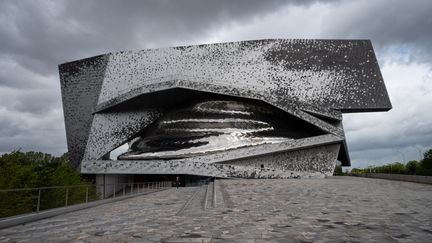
(177,181)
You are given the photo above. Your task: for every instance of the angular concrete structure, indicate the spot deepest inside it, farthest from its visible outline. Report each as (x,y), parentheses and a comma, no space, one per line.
(251,109)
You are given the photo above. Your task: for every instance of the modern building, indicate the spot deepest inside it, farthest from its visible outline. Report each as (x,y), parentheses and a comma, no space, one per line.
(250,109)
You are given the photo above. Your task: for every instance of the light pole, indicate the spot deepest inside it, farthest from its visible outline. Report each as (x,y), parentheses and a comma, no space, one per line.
(420,152)
(370,167)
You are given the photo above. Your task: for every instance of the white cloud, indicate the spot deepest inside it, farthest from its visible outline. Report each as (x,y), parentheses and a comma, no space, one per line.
(286,22)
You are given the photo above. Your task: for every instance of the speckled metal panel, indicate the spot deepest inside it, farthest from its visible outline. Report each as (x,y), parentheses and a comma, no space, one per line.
(317,159)
(339,74)
(80,85)
(110,130)
(254,151)
(174,167)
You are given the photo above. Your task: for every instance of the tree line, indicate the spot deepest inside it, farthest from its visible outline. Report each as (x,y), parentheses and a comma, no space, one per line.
(413,167)
(34,170)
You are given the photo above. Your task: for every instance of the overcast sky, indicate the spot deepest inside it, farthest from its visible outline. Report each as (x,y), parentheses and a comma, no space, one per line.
(36,36)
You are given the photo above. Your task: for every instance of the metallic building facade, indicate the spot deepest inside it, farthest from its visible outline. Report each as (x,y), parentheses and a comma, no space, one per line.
(251,109)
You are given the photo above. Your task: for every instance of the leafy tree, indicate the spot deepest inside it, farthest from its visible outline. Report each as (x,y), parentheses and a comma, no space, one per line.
(412,167)
(428,154)
(392,168)
(33,170)
(359,171)
(423,167)
(426,163)
(338,170)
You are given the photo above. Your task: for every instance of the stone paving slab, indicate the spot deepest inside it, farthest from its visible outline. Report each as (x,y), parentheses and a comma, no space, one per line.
(337,209)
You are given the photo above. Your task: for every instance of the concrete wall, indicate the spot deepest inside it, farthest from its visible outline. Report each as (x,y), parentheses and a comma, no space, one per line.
(106,182)
(397,177)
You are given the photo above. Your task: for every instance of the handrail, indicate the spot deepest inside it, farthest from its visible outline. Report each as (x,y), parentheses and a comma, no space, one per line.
(70,186)
(98,192)
(39,188)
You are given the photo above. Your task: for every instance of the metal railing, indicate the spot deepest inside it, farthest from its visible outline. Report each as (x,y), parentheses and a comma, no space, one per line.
(29,200)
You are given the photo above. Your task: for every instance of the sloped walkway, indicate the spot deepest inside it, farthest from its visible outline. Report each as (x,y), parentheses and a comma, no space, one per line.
(338,209)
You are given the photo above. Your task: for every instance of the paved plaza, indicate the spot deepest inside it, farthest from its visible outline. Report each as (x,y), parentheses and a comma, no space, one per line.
(336,209)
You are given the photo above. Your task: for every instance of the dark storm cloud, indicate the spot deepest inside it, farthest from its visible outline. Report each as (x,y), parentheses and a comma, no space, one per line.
(8,128)
(32,132)
(398,26)
(42,34)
